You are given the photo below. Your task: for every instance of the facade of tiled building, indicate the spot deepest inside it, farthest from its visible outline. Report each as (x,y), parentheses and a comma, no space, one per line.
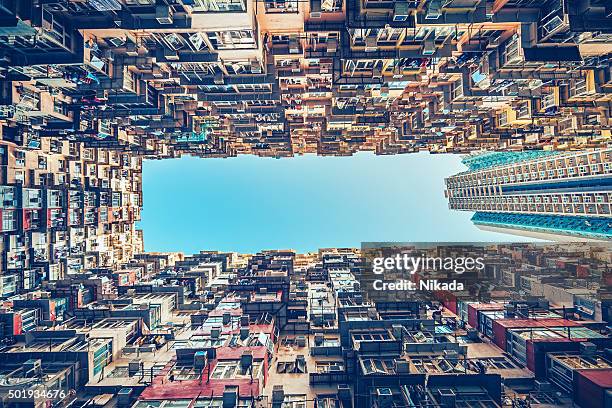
(548,192)
(226,77)
(90,88)
(279,329)
(65,208)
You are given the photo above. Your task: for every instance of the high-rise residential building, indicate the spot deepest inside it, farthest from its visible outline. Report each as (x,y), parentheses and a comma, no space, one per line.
(544,194)
(90,88)
(278,78)
(283,330)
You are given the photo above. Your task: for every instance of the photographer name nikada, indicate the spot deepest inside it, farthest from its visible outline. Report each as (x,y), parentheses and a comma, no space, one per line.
(423,285)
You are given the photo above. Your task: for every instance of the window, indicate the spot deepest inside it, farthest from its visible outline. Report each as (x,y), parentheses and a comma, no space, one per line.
(371,336)
(375,366)
(139,2)
(217,402)
(233,369)
(235,39)
(19,176)
(294,401)
(292,367)
(19,158)
(390,35)
(329,366)
(281,6)
(9,220)
(331,5)
(254,88)
(197,41)
(237,67)
(102,357)
(184,373)
(219,5)
(174,41)
(55,29)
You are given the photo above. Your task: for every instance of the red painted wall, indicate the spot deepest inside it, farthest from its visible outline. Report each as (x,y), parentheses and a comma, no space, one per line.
(499,335)
(590,387)
(17,324)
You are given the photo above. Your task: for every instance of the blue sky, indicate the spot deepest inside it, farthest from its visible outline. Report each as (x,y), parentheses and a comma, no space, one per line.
(248,203)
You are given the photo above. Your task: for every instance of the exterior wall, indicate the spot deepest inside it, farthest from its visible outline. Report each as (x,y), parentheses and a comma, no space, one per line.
(592,388)
(485,190)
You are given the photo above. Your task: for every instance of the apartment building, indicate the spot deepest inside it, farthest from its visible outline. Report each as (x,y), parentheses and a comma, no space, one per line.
(299,331)
(538,193)
(226,77)
(65,208)
(88,89)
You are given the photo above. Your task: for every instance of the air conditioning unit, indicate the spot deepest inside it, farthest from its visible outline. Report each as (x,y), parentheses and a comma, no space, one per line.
(163,14)
(344,392)
(401,12)
(370,44)
(134,366)
(294,45)
(278,394)
(57,7)
(429,46)
(543,386)
(255,67)
(108,55)
(588,348)
(384,397)
(315,14)
(328,5)
(434,10)
(131,49)
(218,79)
(494,41)
(332,45)
(171,55)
